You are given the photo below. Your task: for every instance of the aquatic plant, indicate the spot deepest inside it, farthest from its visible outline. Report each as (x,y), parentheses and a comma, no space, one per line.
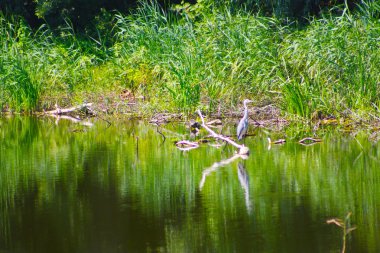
(346,228)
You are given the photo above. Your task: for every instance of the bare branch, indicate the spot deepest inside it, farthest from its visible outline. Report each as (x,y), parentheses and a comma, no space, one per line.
(218,136)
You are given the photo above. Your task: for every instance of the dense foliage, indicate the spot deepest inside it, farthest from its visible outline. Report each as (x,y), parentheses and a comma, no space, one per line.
(83,12)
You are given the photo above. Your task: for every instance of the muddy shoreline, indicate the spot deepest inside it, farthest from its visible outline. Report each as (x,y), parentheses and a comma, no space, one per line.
(125,105)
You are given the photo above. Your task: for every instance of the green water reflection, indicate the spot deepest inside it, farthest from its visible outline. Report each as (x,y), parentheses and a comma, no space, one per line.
(70,188)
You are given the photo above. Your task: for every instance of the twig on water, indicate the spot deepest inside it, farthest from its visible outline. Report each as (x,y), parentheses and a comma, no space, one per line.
(309,141)
(186,145)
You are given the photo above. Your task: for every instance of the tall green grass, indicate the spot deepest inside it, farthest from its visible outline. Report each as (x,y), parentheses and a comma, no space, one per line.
(329,65)
(335,61)
(19,87)
(218,58)
(186,58)
(40,63)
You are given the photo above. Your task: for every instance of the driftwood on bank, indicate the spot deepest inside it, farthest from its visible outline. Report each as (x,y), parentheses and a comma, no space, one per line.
(64,113)
(61,111)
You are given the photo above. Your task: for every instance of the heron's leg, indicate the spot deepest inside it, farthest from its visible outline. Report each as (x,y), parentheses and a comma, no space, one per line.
(225,146)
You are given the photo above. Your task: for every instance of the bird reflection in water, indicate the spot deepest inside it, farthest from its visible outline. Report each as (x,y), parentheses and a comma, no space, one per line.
(242,175)
(244,182)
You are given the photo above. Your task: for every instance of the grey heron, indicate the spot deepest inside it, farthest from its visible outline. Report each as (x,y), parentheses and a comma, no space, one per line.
(243,124)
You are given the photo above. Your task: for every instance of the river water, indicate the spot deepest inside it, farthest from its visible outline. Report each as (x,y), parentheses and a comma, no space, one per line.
(65,187)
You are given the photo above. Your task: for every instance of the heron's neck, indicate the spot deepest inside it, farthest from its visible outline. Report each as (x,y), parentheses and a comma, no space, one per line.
(245,111)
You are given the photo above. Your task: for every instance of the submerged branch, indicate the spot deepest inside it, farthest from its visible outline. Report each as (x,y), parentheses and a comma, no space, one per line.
(346,228)
(243,150)
(309,141)
(163,136)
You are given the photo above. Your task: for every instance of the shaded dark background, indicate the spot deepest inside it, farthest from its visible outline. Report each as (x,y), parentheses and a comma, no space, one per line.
(82,12)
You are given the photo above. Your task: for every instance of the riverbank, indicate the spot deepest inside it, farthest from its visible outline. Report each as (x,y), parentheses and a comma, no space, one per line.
(153,61)
(113,107)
